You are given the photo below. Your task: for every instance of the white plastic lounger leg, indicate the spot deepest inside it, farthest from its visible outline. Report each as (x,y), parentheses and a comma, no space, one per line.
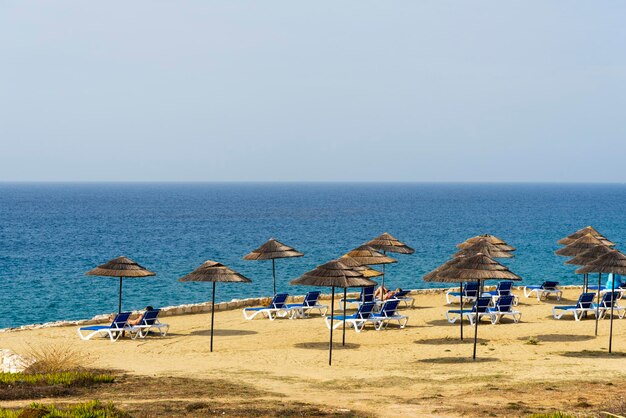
(453,319)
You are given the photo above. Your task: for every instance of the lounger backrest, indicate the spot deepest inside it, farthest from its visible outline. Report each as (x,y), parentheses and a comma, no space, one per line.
(609,298)
(481,304)
(504,288)
(279,300)
(389,308)
(365,310)
(504,303)
(311,298)
(120,320)
(149,317)
(470,289)
(401,294)
(367,294)
(549,285)
(585,300)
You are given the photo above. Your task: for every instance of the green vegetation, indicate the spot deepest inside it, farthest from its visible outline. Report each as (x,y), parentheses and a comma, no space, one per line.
(51,379)
(552,415)
(532,341)
(92,409)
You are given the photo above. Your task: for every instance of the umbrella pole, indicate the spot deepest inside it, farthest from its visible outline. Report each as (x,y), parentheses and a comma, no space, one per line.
(477,320)
(585,288)
(212,314)
(345,289)
(612,303)
(383,279)
(461,285)
(119,306)
(598,302)
(332,309)
(274,274)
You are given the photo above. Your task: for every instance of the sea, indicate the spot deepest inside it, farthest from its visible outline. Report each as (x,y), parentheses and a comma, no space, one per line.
(52,233)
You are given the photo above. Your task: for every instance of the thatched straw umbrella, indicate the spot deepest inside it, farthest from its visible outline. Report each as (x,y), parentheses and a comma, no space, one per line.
(483,246)
(490,238)
(613,262)
(272,250)
(367,255)
(581,233)
(366,271)
(388,243)
(579,246)
(477,268)
(586,258)
(120,267)
(212,271)
(333,274)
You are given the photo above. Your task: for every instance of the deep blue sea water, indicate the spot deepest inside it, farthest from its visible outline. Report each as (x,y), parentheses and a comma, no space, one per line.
(51,234)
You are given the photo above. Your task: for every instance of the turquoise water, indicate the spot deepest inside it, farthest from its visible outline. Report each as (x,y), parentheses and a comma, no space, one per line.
(50,234)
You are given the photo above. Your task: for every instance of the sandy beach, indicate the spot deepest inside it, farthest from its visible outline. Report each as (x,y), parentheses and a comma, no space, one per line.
(538,365)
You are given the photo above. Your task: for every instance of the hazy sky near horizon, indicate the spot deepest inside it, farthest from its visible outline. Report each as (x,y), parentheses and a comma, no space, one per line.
(313,91)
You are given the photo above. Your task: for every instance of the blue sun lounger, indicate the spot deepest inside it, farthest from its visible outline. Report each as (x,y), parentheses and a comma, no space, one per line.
(479,308)
(357,320)
(469,291)
(367,295)
(605,305)
(277,307)
(584,304)
(403,297)
(114,331)
(502,307)
(310,303)
(388,312)
(546,289)
(148,321)
(502,289)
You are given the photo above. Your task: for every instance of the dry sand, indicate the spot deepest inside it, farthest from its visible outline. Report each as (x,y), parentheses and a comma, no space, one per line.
(422,370)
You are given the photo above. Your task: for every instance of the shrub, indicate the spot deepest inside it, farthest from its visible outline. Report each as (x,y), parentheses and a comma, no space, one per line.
(56,358)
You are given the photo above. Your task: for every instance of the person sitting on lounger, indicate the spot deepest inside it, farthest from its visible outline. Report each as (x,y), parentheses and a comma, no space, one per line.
(136,320)
(383,293)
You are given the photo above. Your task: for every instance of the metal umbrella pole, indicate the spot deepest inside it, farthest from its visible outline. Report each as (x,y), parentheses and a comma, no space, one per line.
(612,304)
(598,301)
(332,309)
(119,306)
(212,314)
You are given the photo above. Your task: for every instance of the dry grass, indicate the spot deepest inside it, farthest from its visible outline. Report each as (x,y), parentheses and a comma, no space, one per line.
(56,358)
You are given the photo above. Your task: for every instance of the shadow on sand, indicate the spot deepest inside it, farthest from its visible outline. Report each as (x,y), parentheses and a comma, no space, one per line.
(592,354)
(455,360)
(450,341)
(324,346)
(223,332)
(558,338)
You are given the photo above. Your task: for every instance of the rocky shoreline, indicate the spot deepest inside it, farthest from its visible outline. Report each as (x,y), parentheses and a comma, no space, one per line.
(205,307)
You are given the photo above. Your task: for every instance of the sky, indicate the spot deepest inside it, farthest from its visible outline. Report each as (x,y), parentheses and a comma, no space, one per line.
(510,91)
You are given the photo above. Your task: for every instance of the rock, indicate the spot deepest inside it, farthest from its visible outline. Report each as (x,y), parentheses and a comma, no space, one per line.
(12,363)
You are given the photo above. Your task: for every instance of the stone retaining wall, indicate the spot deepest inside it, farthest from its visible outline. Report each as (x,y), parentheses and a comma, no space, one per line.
(205,307)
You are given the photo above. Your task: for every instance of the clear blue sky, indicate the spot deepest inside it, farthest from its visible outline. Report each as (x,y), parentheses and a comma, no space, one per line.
(320,90)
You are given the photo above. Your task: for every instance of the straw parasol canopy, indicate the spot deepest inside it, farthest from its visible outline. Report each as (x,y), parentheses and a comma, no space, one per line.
(478,267)
(387,242)
(271,250)
(362,268)
(369,256)
(333,274)
(120,267)
(214,272)
(612,262)
(588,256)
(582,244)
(490,238)
(483,246)
(581,233)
